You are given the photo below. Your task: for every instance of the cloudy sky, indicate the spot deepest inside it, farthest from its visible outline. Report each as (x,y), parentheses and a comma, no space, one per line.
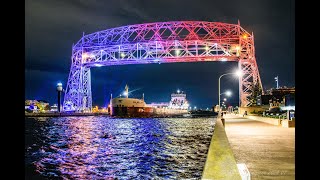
(52,26)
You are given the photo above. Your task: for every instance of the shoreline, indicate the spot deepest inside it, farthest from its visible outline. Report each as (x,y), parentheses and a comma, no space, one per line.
(63,114)
(27,115)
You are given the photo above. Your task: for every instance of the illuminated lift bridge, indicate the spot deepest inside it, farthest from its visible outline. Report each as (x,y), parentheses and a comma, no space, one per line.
(161,42)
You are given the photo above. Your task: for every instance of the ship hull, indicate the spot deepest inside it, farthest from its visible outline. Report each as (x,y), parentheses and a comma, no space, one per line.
(145,112)
(132,111)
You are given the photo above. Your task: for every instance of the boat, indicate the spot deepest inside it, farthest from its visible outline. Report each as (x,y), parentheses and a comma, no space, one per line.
(135,107)
(129,107)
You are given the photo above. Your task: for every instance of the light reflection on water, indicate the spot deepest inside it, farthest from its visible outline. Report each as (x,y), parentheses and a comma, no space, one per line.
(109,148)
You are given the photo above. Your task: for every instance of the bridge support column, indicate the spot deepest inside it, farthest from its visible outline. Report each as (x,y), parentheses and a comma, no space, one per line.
(250,83)
(78,92)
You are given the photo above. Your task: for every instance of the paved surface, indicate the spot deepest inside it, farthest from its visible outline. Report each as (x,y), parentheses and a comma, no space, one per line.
(267,150)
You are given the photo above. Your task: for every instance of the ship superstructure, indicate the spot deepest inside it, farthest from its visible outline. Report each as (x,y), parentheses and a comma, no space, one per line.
(179,100)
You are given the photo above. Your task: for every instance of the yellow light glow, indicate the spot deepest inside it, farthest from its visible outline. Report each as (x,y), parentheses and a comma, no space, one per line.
(122,55)
(244,36)
(85,55)
(177,51)
(207,48)
(237,48)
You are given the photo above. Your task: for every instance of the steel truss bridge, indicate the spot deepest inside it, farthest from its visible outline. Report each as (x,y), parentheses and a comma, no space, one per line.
(161,42)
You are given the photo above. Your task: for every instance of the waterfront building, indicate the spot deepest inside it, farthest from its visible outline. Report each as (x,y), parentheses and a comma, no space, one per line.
(54,108)
(37,105)
(282,97)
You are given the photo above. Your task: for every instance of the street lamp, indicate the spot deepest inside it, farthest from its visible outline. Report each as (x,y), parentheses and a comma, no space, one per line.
(59,89)
(237,73)
(228,93)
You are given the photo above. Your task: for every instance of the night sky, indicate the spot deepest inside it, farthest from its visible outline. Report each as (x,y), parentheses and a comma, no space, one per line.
(52,26)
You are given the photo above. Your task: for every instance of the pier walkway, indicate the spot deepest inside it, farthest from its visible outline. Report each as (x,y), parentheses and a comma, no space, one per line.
(267,150)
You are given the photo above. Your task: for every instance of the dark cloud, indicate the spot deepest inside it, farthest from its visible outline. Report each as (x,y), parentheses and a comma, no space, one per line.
(52,26)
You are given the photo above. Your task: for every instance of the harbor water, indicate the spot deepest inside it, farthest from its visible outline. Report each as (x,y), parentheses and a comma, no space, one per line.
(97,147)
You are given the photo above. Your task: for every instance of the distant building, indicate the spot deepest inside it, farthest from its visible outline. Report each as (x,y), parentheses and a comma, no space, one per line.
(282,91)
(36,105)
(54,108)
(30,102)
(289,103)
(289,100)
(281,97)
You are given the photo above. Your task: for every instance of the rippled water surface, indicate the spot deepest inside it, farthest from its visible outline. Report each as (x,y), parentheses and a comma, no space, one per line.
(107,148)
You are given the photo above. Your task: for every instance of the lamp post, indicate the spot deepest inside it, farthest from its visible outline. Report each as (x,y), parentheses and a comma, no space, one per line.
(59,89)
(277,80)
(238,73)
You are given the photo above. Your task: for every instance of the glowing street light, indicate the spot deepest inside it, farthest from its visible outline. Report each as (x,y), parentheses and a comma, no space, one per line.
(59,86)
(228,93)
(238,73)
(178,91)
(122,55)
(225,99)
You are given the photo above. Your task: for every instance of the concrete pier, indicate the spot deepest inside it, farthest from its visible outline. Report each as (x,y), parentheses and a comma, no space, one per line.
(220,163)
(267,150)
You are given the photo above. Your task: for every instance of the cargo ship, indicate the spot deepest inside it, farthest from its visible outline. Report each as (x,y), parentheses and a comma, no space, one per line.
(134,107)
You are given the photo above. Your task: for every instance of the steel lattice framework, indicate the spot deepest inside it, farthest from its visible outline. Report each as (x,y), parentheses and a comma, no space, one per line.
(161,42)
